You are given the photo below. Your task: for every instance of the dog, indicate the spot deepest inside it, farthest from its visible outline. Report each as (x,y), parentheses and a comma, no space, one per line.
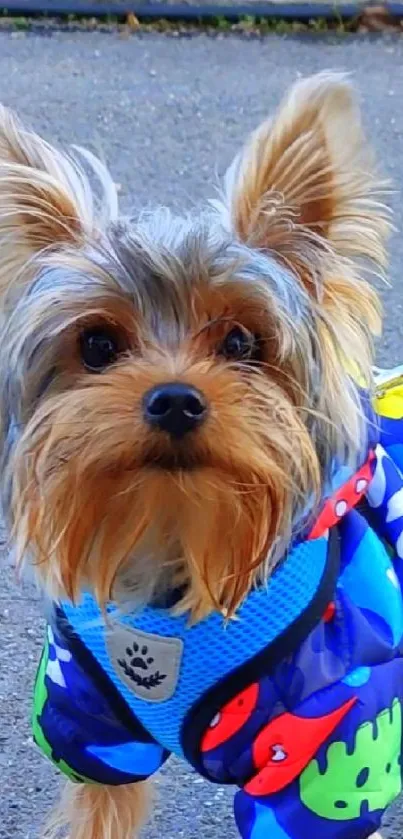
(200,470)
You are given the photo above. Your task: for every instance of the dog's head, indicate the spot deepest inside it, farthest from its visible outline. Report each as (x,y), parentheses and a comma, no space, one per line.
(175,391)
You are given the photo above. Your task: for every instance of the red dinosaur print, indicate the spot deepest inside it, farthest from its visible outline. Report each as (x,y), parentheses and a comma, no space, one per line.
(286,745)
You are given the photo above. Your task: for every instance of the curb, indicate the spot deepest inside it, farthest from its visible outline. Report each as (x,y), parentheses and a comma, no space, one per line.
(298,12)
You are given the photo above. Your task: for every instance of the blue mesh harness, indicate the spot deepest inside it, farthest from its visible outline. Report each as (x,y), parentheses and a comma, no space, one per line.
(211,650)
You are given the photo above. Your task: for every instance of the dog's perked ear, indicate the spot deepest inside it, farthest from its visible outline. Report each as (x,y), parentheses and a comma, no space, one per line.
(46,202)
(306,180)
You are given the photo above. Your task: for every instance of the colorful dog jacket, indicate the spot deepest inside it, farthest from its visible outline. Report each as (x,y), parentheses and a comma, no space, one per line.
(297,702)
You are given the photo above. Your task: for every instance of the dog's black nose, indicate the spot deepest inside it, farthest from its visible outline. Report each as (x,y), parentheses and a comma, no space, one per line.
(175,407)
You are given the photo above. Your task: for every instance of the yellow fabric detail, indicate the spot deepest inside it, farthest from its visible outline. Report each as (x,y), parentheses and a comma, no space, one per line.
(389,396)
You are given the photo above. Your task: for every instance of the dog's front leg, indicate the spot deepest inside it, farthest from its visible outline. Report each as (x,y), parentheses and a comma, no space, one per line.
(95,811)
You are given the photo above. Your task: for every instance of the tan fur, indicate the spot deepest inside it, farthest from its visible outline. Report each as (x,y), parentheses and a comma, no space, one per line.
(45,201)
(233,514)
(100,812)
(323,191)
(101,509)
(303,191)
(298,174)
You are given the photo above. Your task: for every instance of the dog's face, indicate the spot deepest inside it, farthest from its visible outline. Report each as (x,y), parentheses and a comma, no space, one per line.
(174,391)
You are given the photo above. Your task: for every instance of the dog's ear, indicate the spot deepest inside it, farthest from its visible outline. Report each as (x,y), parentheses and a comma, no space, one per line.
(306,179)
(45,199)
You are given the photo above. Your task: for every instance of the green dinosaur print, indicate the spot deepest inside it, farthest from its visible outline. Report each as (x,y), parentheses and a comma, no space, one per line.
(40,699)
(371,773)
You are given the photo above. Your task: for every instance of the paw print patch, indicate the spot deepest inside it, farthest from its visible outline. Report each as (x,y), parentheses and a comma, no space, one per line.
(147,664)
(136,661)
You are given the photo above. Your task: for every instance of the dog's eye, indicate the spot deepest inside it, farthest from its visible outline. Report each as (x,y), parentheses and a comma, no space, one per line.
(99,348)
(240,345)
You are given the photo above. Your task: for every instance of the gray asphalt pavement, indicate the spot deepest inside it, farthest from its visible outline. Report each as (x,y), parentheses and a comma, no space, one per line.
(168,114)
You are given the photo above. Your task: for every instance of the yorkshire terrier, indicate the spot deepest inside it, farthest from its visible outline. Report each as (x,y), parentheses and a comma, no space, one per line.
(199,469)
